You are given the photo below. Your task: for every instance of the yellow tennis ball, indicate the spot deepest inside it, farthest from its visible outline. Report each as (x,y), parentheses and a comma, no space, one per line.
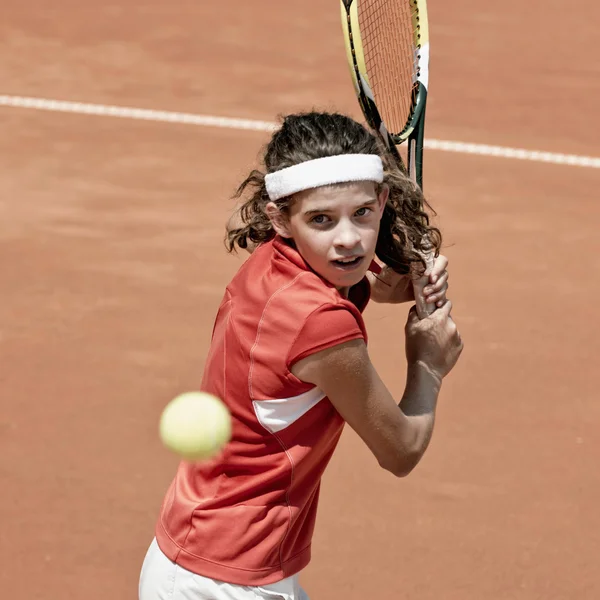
(195,425)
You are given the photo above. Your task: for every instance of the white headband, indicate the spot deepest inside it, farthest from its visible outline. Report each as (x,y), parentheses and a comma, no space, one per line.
(324,171)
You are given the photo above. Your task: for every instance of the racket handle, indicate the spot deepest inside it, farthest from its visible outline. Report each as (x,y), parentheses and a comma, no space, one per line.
(424,309)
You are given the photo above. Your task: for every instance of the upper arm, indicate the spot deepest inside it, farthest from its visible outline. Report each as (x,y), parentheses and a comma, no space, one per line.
(344,373)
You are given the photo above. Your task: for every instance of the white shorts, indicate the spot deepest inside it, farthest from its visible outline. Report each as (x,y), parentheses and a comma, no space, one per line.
(162,579)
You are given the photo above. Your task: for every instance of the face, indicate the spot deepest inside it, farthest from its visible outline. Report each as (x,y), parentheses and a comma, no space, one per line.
(334,228)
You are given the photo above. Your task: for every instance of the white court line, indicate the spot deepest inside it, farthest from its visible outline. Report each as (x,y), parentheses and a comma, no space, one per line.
(249,124)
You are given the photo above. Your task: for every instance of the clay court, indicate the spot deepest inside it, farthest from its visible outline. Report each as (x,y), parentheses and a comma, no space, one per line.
(112,266)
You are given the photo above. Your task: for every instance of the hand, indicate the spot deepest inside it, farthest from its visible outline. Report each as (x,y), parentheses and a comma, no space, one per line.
(392,288)
(433,342)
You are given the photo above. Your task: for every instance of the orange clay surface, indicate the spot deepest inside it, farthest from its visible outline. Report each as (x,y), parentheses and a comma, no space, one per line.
(112,266)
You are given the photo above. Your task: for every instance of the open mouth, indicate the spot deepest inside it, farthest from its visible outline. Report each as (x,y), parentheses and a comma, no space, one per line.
(347,264)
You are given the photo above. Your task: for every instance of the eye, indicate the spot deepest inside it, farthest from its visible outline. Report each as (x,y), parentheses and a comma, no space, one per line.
(363,212)
(319,219)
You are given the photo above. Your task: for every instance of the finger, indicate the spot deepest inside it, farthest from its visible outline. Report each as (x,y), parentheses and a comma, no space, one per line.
(439,266)
(440,284)
(442,279)
(459,339)
(435,298)
(436,295)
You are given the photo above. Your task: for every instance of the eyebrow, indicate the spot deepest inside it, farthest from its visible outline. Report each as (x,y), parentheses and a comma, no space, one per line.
(319,211)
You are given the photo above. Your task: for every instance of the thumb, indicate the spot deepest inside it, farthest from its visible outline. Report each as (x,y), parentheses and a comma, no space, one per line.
(445,309)
(413,317)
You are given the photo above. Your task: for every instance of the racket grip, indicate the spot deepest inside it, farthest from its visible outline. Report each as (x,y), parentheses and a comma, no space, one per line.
(424,309)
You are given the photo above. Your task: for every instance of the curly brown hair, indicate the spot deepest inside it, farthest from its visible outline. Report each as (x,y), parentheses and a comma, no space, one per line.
(405,231)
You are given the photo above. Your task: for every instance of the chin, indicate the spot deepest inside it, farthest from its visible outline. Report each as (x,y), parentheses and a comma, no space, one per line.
(349,280)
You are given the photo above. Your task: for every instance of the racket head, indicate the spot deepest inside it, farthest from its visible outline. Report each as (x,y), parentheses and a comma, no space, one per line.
(387,47)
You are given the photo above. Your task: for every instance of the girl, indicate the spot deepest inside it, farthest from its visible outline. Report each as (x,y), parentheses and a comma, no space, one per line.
(289,357)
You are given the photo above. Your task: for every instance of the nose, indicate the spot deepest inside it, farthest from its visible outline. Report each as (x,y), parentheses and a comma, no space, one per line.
(347,235)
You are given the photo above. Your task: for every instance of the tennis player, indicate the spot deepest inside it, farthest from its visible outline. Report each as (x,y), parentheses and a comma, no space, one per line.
(289,357)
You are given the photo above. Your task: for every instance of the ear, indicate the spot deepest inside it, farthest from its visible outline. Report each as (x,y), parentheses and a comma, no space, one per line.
(382,197)
(278,219)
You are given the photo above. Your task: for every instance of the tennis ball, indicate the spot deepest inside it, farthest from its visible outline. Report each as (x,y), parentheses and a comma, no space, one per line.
(195,425)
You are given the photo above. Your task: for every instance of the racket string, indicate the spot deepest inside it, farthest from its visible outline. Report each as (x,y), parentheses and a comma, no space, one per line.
(390,33)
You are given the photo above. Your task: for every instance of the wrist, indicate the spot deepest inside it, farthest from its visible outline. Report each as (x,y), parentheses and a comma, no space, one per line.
(420,374)
(421,392)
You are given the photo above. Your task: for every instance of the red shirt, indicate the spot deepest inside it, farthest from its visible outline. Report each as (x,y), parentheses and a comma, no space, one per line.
(247,516)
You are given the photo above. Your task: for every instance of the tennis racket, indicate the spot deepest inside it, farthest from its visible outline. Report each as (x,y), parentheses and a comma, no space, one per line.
(387,46)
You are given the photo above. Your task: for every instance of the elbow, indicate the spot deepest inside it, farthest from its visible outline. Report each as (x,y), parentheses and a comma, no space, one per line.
(403,464)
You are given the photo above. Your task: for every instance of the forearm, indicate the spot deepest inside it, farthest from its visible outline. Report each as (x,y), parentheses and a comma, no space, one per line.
(388,287)
(418,404)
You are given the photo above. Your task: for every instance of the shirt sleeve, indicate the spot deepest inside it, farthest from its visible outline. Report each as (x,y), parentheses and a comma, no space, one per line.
(327,326)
